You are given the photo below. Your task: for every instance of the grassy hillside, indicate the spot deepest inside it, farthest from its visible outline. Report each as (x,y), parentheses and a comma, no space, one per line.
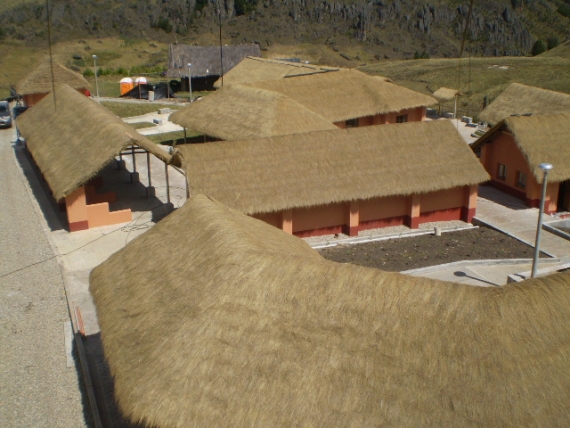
(484,76)
(10,4)
(17,58)
(562,50)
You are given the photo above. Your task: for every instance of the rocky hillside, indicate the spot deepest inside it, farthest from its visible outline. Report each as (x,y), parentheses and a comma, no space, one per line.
(381,28)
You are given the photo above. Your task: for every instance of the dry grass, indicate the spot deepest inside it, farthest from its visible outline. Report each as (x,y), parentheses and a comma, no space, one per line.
(337,166)
(489,76)
(142,125)
(131,109)
(214,319)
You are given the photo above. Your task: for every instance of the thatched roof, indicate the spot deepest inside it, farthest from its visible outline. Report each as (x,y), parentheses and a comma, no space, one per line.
(239,112)
(205,60)
(347,94)
(235,324)
(540,139)
(446,94)
(39,81)
(522,99)
(72,143)
(323,167)
(253,69)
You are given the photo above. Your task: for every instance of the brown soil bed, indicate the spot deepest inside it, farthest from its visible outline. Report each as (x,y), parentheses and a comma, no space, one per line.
(397,255)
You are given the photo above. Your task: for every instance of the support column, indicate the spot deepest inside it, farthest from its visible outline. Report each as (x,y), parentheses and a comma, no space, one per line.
(150,192)
(185,139)
(414,209)
(167,183)
(134,174)
(353,220)
(76,206)
(469,203)
(287,221)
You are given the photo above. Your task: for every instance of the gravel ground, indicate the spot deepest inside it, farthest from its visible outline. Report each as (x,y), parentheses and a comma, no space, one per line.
(37,389)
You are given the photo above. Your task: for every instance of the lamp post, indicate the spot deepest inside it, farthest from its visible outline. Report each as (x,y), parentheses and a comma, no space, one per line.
(545,167)
(95,66)
(190,79)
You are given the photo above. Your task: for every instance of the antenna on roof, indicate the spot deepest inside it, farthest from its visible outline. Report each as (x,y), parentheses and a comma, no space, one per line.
(50,55)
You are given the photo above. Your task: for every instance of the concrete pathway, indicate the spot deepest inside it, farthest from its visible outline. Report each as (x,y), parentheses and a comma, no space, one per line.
(484,273)
(509,215)
(40,383)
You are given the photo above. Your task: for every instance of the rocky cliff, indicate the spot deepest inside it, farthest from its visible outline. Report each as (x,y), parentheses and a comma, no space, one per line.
(396,26)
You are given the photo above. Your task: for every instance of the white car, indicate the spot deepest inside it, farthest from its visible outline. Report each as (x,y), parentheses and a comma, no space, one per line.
(5,117)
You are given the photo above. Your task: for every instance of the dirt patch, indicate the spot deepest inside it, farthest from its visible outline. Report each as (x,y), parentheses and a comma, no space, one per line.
(396,255)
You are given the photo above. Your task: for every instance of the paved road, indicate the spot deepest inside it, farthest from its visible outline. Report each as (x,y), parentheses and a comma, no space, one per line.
(37,389)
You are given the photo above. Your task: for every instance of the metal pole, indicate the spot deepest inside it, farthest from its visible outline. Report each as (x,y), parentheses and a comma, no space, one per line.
(545,167)
(167,183)
(95,66)
(120,161)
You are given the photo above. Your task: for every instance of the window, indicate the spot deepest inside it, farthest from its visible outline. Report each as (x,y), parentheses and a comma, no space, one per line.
(352,123)
(402,118)
(502,172)
(521,180)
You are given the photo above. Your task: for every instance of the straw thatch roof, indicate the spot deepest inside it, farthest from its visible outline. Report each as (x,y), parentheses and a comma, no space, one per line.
(446,94)
(323,167)
(253,69)
(39,81)
(540,139)
(205,60)
(347,94)
(239,112)
(72,143)
(522,99)
(235,324)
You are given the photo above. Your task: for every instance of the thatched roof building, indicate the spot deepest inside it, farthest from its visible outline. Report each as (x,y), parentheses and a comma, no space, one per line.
(540,139)
(253,69)
(239,112)
(446,94)
(519,99)
(73,137)
(248,326)
(39,81)
(323,167)
(347,94)
(205,60)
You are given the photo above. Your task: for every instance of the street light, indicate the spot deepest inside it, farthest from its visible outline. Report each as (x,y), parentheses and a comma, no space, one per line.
(95,66)
(545,167)
(190,80)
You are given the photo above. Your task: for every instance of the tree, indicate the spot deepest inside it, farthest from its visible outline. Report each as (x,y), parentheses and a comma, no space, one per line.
(552,42)
(538,48)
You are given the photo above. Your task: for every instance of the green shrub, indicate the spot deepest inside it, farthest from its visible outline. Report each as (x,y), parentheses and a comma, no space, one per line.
(552,42)
(164,24)
(88,73)
(564,10)
(538,48)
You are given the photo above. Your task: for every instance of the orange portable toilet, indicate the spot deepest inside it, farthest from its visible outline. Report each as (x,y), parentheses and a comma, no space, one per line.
(126,85)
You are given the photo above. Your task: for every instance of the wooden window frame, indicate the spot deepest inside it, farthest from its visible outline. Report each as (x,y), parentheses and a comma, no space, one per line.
(403,118)
(521,180)
(501,171)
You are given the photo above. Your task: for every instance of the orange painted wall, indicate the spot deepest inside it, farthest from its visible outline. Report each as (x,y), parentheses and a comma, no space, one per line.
(318,217)
(442,200)
(274,219)
(503,150)
(31,99)
(414,115)
(452,204)
(381,208)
